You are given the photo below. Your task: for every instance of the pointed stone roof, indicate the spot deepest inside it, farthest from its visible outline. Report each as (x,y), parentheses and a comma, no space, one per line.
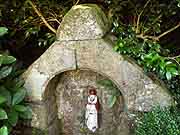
(83,22)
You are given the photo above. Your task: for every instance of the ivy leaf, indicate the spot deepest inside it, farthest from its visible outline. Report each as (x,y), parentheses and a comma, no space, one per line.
(162,64)
(6,94)
(3,31)
(13,117)
(155,57)
(111,101)
(8,59)
(20,108)
(18,96)
(2,99)
(5,71)
(19,83)
(173,71)
(170,64)
(148,56)
(3,114)
(168,75)
(3,130)
(27,114)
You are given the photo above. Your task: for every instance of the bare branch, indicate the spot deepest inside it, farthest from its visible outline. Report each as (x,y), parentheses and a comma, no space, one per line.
(147,37)
(41,16)
(139,16)
(168,31)
(156,38)
(77,2)
(174,59)
(178,56)
(54,20)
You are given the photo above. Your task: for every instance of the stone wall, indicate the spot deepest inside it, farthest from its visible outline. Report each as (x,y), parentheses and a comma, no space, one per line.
(71,98)
(84,44)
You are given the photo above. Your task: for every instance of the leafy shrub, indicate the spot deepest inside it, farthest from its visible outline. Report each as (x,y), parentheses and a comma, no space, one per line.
(160,121)
(148,53)
(12,93)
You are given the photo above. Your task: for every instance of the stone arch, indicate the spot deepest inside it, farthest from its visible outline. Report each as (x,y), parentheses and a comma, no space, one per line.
(105,121)
(89,69)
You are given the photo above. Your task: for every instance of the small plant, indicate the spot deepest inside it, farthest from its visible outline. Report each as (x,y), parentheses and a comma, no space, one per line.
(12,93)
(159,121)
(112,89)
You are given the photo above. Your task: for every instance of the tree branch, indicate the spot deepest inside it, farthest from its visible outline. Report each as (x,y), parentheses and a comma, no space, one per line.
(77,2)
(174,59)
(156,38)
(168,31)
(147,37)
(54,20)
(41,16)
(139,16)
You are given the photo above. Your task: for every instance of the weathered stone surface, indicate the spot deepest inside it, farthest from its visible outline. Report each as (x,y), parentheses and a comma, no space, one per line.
(143,93)
(39,116)
(139,91)
(71,96)
(83,22)
(57,59)
(59,97)
(45,115)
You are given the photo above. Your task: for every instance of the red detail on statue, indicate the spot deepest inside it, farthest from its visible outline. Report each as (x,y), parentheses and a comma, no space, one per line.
(92,91)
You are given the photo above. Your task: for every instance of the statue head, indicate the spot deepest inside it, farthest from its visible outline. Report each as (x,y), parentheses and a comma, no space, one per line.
(92,98)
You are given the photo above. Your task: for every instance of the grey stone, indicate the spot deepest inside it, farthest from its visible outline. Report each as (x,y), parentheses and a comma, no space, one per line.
(71,96)
(55,60)
(83,22)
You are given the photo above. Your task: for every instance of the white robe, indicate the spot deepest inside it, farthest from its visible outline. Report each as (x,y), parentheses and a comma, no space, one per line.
(91,115)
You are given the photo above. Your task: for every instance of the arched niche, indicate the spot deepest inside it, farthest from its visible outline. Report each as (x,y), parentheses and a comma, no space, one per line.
(66,96)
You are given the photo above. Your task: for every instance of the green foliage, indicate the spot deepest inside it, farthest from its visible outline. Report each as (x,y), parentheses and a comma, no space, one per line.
(142,43)
(159,121)
(26,26)
(178,3)
(12,94)
(112,90)
(3,130)
(148,53)
(3,30)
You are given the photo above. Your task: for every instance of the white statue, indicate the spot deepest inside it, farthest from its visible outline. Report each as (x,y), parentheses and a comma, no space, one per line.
(92,109)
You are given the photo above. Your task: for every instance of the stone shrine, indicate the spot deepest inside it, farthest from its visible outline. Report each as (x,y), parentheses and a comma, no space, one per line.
(58,82)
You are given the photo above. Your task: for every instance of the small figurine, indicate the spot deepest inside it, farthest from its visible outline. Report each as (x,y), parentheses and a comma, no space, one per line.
(92,109)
